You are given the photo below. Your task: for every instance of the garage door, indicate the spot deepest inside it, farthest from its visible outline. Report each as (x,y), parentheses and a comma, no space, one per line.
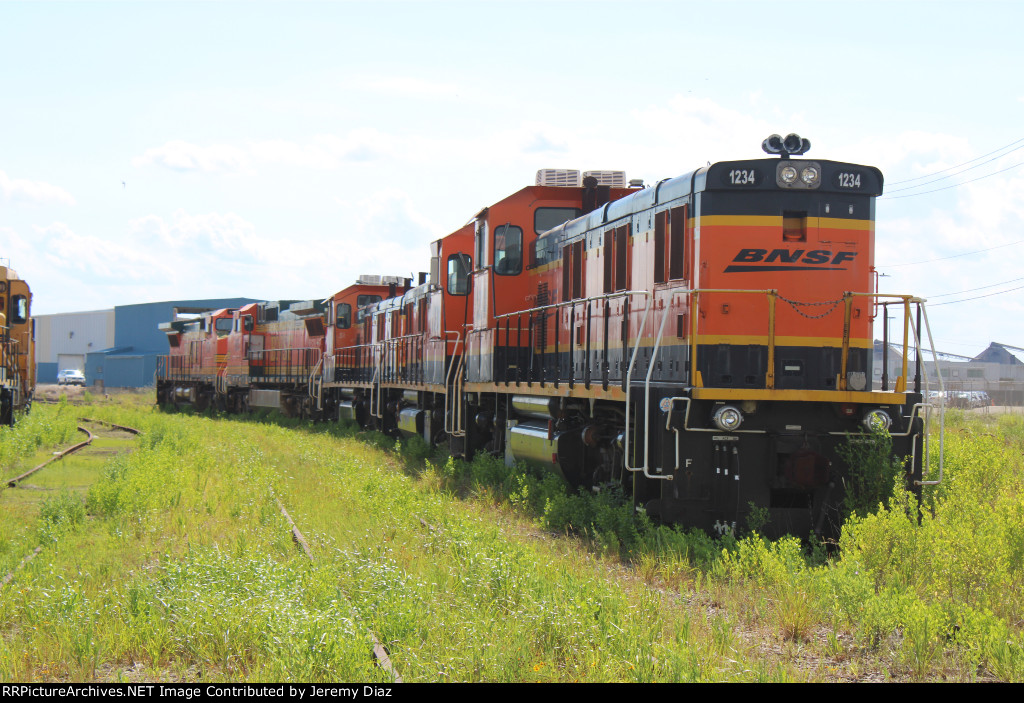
(71,361)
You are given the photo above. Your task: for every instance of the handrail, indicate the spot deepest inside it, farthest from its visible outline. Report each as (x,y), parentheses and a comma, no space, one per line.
(901,382)
(647,397)
(282,363)
(772,296)
(540,310)
(375,386)
(455,428)
(318,396)
(395,346)
(942,401)
(574,301)
(8,348)
(771,293)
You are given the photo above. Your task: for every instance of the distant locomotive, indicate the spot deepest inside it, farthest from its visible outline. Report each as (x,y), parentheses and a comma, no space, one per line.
(705,343)
(17,353)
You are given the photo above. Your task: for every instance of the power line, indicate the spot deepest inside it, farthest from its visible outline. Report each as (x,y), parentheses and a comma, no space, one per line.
(951,168)
(961,183)
(978,297)
(954,256)
(971,290)
(955,173)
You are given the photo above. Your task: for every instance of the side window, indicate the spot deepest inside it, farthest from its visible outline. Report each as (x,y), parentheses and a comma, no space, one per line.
(362,301)
(572,270)
(621,258)
(459,266)
(545,218)
(677,243)
(660,222)
(344,319)
(508,250)
(20,315)
(546,250)
(480,239)
(609,260)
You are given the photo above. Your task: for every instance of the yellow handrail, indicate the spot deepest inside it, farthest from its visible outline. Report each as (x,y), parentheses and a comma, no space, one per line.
(773,296)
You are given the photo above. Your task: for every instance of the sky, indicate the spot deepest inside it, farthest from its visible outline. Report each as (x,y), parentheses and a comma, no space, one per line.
(157,151)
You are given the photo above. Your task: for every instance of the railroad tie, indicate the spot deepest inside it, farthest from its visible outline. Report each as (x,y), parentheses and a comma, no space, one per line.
(7,579)
(380,652)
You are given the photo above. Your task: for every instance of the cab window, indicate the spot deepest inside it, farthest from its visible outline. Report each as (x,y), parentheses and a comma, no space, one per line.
(20,309)
(224,325)
(508,250)
(344,319)
(459,266)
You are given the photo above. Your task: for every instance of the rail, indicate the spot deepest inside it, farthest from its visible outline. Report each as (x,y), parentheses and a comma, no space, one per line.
(283,365)
(941,397)
(530,366)
(56,457)
(10,364)
(846,301)
(539,315)
(645,468)
(453,420)
(172,367)
(402,359)
(355,364)
(316,383)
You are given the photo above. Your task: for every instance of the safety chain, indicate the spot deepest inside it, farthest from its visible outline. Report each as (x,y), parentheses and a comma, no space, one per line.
(794,303)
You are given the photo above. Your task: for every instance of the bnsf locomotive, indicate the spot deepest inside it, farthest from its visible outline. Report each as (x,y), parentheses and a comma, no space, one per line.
(17,354)
(706,343)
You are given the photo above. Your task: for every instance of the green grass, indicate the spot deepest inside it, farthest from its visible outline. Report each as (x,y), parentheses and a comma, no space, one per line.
(173,561)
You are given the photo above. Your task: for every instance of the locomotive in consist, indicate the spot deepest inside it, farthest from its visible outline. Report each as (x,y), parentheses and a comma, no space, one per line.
(262,354)
(17,353)
(706,343)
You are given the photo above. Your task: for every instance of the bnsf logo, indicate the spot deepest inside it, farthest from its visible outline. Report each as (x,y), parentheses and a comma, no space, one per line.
(790,260)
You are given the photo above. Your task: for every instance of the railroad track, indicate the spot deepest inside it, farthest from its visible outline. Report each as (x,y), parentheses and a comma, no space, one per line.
(56,457)
(13,483)
(380,653)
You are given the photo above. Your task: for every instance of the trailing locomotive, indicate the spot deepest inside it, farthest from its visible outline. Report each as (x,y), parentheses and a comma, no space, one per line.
(262,354)
(706,343)
(17,353)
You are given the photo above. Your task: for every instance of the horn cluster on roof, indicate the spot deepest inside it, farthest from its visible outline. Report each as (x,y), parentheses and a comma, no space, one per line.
(792,145)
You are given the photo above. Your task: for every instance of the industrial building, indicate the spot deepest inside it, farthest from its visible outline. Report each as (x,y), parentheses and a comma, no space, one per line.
(114,348)
(998,371)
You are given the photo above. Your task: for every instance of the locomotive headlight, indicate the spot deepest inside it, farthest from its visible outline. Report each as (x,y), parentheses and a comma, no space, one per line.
(810,175)
(877,420)
(727,418)
(788,174)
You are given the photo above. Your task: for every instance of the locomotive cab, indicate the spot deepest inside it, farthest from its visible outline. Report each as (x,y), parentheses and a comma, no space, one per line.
(17,347)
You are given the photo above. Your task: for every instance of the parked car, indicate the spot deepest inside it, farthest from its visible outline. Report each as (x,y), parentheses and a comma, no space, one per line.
(71,377)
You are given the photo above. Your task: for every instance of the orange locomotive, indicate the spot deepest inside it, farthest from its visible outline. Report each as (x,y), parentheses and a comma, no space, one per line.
(705,343)
(17,351)
(260,355)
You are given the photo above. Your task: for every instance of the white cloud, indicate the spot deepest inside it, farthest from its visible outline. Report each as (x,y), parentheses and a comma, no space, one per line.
(88,257)
(20,190)
(184,156)
(225,239)
(324,152)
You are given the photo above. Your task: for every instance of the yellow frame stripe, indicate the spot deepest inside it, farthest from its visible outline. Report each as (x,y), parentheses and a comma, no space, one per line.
(776,221)
(740,394)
